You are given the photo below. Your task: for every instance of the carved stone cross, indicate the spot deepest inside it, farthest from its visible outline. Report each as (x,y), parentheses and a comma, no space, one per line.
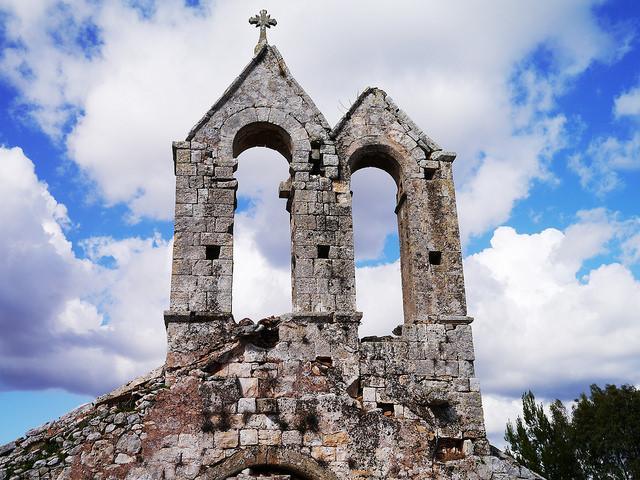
(263,21)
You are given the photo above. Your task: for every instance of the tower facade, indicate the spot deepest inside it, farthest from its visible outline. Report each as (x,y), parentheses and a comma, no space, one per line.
(298,395)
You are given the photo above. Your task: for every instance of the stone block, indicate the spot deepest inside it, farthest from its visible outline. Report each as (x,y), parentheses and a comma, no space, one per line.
(248,387)
(247,405)
(335,439)
(291,437)
(248,437)
(226,439)
(269,437)
(369,394)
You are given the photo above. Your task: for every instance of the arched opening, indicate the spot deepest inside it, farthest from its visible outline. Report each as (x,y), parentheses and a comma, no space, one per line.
(262,238)
(376,187)
(263,134)
(377,156)
(267,472)
(252,462)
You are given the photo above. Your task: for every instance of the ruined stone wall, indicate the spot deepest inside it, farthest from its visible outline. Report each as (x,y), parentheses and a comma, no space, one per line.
(299,396)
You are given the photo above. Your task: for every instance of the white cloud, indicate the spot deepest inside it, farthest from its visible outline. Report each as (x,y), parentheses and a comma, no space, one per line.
(379,297)
(69,322)
(498,410)
(559,332)
(133,101)
(627,103)
(631,249)
(599,169)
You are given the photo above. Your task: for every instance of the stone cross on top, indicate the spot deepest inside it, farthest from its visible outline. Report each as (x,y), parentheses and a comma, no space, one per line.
(263,21)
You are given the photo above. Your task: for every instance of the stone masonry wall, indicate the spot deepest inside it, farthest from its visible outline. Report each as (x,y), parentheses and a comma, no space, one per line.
(296,396)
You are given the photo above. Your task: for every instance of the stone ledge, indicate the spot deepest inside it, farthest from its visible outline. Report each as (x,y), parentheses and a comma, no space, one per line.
(454,319)
(195,317)
(324,317)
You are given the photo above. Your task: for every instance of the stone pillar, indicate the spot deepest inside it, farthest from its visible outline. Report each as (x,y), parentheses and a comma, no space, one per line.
(431,259)
(323,275)
(202,269)
(448,301)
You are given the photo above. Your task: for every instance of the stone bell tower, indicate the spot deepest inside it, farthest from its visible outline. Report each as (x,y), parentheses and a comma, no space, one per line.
(299,395)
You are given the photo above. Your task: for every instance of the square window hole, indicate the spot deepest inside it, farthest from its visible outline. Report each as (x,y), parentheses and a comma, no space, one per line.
(449,449)
(429,173)
(387,408)
(323,251)
(435,257)
(213,252)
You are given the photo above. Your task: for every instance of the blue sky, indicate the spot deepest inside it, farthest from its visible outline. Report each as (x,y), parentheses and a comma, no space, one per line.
(541,101)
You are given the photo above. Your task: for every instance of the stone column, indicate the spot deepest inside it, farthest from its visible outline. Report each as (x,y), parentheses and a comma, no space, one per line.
(202,271)
(323,276)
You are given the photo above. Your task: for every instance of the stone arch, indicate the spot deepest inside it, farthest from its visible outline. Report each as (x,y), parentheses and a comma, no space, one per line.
(263,134)
(376,156)
(280,131)
(398,165)
(265,127)
(384,154)
(285,459)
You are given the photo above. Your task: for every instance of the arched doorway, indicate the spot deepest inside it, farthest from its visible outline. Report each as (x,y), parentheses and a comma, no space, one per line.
(274,463)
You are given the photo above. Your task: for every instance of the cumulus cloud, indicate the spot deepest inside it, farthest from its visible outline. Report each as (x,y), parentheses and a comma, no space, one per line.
(117,107)
(70,322)
(560,327)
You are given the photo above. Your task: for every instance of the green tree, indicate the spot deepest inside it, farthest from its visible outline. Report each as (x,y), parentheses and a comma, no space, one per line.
(600,441)
(606,432)
(543,444)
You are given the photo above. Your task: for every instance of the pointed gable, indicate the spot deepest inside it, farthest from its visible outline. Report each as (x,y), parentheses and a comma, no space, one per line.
(375,123)
(369,106)
(266,85)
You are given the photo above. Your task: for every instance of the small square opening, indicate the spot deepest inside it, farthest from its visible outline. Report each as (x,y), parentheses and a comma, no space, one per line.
(435,257)
(323,251)
(213,252)
(387,408)
(449,449)
(429,173)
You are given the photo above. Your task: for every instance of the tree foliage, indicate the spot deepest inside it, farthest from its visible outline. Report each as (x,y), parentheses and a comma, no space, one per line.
(543,443)
(599,440)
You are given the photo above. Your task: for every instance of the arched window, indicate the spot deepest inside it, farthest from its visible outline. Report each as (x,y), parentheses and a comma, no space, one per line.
(377,251)
(262,247)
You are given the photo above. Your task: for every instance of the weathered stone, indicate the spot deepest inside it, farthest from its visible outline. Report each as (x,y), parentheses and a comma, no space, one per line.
(123,458)
(226,439)
(129,443)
